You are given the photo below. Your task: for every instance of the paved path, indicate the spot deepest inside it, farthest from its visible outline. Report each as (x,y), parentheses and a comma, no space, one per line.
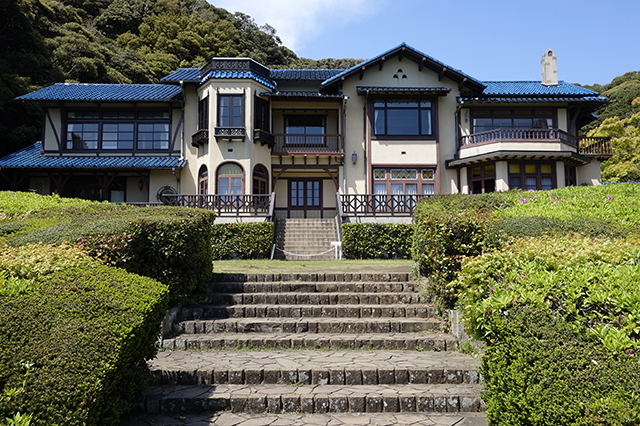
(241,419)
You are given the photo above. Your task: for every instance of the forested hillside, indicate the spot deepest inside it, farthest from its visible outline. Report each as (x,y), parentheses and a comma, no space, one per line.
(118,41)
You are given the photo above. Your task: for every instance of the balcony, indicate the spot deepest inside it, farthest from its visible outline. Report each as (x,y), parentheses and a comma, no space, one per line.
(292,144)
(230,133)
(528,135)
(265,138)
(595,147)
(225,205)
(200,137)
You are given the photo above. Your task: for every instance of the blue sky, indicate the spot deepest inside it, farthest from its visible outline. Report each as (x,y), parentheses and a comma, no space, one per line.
(594,41)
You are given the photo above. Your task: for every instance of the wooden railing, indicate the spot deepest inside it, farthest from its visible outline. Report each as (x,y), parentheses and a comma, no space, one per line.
(518,134)
(225,205)
(378,204)
(595,147)
(200,137)
(265,138)
(308,144)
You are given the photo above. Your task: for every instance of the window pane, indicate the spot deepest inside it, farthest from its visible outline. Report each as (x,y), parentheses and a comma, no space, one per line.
(501,123)
(547,183)
(482,125)
(489,185)
(545,168)
(402,122)
(427,174)
(522,123)
(379,122)
(514,168)
(532,183)
(515,182)
(396,188)
(530,168)
(490,170)
(476,171)
(379,188)
(404,174)
(411,188)
(379,174)
(425,117)
(427,189)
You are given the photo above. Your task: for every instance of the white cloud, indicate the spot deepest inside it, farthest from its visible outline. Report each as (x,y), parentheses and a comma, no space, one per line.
(298,22)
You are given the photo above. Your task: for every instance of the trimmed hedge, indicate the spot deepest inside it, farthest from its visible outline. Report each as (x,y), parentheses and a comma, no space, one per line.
(251,240)
(73,344)
(540,370)
(377,240)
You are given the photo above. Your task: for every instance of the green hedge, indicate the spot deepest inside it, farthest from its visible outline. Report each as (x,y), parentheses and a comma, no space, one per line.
(377,240)
(73,343)
(541,370)
(250,240)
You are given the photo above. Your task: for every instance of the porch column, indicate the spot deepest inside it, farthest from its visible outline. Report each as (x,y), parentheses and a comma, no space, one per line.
(502,176)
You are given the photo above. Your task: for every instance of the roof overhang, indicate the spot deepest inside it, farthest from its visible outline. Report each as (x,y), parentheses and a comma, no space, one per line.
(439,91)
(565,156)
(292,96)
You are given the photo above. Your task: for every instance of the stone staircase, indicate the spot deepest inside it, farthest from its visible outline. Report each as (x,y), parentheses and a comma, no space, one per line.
(304,239)
(319,345)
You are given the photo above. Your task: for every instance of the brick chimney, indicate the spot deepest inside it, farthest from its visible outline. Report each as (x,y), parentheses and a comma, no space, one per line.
(549,68)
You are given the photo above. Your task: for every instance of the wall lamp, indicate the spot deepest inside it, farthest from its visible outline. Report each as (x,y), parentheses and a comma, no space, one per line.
(354,157)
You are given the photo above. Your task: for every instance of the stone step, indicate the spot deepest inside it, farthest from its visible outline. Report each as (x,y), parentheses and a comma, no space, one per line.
(313,277)
(276,398)
(285,286)
(311,325)
(307,311)
(295,298)
(438,342)
(304,367)
(304,419)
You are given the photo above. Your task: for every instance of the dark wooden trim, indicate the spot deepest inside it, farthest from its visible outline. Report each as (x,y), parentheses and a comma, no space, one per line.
(441,75)
(538,174)
(422,62)
(384,58)
(462,83)
(61,144)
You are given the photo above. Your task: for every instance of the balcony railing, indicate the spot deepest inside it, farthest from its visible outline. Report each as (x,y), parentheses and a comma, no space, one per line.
(265,138)
(595,147)
(518,134)
(378,204)
(308,144)
(230,133)
(200,137)
(225,205)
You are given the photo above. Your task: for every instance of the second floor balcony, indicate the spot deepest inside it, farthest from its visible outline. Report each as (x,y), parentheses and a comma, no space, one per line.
(304,144)
(531,140)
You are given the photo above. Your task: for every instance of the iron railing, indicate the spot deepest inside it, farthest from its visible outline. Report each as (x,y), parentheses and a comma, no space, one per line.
(378,204)
(225,205)
(518,134)
(289,144)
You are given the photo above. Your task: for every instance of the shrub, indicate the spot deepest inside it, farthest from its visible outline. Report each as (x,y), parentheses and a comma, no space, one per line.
(540,370)
(441,241)
(73,346)
(377,240)
(589,282)
(250,240)
(537,226)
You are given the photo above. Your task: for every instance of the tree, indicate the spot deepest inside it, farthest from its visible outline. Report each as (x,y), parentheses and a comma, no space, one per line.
(624,165)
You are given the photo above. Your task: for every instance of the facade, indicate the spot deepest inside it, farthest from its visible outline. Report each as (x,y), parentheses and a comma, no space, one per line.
(369,140)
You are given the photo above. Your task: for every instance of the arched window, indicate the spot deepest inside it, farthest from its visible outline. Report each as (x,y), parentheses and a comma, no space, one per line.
(260,179)
(230,178)
(203,181)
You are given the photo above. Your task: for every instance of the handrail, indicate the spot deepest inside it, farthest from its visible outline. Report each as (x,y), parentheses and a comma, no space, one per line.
(272,207)
(379,204)
(517,134)
(592,146)
(223,204)
(308,144)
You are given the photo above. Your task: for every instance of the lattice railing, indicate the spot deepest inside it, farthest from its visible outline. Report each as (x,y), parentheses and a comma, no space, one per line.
(518,134)
(595,146)
(224,205)
(379,204)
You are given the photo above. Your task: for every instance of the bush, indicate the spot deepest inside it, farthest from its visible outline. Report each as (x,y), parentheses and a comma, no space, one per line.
(537,226)
(250,240)
(73,344)
(377,240)
(540,370)
(441,241)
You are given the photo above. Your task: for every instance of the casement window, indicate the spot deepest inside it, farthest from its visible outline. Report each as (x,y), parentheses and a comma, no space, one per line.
(403,118)
(532,176)
(260,180)
(398,181)
(203,113)
(117,130)
(261,115)
(305,129)
(482,179)
(485,120)
(230,110)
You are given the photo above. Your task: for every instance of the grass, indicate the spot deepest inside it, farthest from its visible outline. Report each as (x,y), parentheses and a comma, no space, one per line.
(377,266)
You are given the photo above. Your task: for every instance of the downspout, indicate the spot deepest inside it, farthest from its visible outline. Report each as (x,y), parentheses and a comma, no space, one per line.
(364,132)
(344,145)
(182,101)
(457,121)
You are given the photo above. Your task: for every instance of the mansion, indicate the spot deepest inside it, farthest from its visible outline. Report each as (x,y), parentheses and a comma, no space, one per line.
(310,143)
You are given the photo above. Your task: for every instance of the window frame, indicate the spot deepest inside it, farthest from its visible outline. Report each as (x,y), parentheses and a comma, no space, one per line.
(420,181)
(100,117)
(538,174)
(241,117)
(230,176)
(511,114)
(432,109)
(203,113)
(483,178)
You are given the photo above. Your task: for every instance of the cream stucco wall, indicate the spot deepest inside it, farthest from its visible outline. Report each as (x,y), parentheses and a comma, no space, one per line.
(158,179)
(502,176)
(589,174)
(136,195)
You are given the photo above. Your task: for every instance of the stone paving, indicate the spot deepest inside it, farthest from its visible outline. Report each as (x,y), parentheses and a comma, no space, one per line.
(242,419)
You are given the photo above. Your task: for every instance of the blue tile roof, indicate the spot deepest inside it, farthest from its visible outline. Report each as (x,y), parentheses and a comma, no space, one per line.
(304,74)
(31,158)
(511,88)
(187,75)
(357,68)
(523,99)
(239,74)
(302,94)
(105,93)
